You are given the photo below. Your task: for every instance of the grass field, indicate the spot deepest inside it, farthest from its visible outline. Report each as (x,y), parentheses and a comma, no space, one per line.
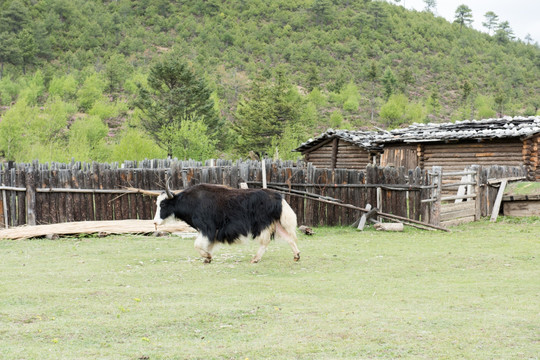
(470,294)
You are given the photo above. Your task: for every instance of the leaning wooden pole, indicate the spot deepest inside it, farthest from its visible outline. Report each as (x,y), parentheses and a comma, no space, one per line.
(380,214)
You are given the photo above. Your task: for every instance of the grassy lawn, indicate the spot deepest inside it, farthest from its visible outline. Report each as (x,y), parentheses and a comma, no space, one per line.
(470,294)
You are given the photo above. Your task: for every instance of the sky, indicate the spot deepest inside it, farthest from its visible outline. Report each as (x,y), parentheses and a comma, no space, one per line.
(522,15)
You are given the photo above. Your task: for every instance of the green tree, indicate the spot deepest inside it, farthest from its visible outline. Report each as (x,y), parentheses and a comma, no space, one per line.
(90,92)
(9,50)
(491,21)
(393,111)
(28,48)
(14,130)
(433,104)
(322,10)
(116,71)
(372,75)
(87,139)
(191,141)
(14,18)
(467,89)
(398,111)
(406,78)
(389,82)
(264,112)
(500,100)
(504,32)
(175,94)
(430,5)
(64,87)
(485,105)
(463,16)
(135,145)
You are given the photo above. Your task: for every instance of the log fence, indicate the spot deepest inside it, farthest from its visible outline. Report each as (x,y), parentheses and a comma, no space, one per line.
(37,193)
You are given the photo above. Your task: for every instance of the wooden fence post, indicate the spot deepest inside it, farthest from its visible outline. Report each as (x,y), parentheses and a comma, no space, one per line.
(478,198)
(435,215)
(30,197)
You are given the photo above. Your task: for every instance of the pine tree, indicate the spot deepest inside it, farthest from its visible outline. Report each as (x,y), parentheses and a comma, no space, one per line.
(491,21)
(265,112)
(175,94)
(463,16)
(389,82)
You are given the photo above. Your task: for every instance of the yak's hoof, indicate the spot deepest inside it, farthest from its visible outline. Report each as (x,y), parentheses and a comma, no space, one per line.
(255,260)
(207,260)
(297,257)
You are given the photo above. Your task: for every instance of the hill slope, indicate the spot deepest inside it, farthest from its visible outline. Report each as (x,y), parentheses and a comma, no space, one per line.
(349,56)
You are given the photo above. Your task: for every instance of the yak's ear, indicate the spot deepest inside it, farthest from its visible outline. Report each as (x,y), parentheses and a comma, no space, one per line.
(168,190)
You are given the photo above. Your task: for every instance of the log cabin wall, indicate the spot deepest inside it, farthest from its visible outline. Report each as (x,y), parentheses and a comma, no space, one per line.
(531,157)
(395,155)
(457,156)
(320,156)
(336,153)
(350,156)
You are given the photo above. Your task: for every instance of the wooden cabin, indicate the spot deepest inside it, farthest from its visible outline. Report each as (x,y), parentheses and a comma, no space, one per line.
(454,146)
(341,149)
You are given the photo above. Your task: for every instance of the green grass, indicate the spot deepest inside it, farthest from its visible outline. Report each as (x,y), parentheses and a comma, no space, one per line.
(470,294)
(523,188)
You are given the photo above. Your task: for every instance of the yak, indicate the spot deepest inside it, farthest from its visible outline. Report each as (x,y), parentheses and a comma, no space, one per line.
(225,215)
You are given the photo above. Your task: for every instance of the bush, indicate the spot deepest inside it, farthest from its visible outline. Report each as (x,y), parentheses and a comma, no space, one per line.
(90,92)
(136,145)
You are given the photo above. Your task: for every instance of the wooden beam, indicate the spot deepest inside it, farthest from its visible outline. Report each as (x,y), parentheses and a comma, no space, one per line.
(411,222)
(365,217)
(334,153)
(498,200)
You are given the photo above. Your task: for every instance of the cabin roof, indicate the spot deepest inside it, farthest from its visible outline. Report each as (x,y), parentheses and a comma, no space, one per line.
(499,128)
(363,139)
(487,129)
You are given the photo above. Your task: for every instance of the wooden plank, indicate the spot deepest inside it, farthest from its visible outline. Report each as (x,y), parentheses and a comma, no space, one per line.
(3,201)
(77,177)
(459,213)
(138,202)
(21,196)
(498,200)
(521,208)
(30,197)
(69,197)
(459,221)
(44,216)
(365,217)
(77,197)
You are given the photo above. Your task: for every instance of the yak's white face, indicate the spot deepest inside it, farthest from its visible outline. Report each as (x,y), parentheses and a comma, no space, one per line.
(157,218)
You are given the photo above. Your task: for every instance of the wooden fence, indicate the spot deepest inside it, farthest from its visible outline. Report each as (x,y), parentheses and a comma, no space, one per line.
(49,193)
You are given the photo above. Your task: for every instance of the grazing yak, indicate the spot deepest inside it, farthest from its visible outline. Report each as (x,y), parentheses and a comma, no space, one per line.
(225,215)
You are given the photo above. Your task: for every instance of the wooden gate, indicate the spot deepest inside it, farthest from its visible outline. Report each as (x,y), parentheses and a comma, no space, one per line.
(454,196)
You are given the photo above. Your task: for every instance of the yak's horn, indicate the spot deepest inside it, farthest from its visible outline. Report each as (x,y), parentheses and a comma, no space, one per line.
(168,190)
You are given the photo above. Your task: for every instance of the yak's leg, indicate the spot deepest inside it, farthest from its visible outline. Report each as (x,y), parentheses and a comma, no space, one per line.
(286,228)
(204,246)
(291,239)
(264,240)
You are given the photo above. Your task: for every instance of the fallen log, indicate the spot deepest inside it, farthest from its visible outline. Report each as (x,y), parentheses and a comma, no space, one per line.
(389,226)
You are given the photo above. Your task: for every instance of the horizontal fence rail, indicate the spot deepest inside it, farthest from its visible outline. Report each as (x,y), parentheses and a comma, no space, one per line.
(48,193)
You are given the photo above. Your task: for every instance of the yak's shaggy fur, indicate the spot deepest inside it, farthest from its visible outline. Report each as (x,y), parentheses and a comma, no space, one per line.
(226,215)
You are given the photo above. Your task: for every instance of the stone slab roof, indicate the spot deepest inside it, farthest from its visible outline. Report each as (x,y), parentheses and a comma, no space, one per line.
(487,129)
(363,139)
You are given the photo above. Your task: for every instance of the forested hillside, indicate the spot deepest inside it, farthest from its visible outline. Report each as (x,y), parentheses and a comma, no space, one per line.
(114,80)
